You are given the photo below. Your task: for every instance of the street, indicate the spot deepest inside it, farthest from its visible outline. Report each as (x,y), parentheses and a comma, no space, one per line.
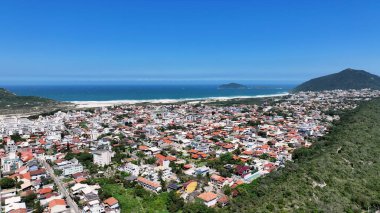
(73,206)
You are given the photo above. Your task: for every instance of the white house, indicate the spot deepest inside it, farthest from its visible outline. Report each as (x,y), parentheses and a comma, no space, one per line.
(132,169)
(208,198)
(102,157)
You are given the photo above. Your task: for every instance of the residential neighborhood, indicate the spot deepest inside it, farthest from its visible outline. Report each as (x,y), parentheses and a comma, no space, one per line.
(198,151)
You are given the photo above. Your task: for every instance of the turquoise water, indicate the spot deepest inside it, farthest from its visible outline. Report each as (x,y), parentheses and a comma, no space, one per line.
(143,92)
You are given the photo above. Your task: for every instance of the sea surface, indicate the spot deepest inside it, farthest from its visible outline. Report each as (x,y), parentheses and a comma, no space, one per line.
(143,92)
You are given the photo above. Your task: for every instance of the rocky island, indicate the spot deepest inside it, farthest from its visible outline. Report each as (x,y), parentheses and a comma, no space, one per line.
(232,86)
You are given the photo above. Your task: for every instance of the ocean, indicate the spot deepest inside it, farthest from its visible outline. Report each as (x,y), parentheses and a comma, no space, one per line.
(143,92)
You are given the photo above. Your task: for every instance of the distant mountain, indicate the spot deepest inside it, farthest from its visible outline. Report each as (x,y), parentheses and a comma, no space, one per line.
(346,79)
(232,86)
(11,103)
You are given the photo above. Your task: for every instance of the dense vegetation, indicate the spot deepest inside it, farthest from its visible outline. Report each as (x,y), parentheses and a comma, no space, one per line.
(7,183)
(13,104)
(346,79)
(339,173)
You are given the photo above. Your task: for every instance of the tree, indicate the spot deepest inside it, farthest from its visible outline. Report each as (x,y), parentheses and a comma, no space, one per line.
(227,190)
(139,191)
(37,207)
(103,194)
(18,183)
(197,207)
(264,156)
(151,160)
(7,183)
(29,199)
(174,202)
(17,137)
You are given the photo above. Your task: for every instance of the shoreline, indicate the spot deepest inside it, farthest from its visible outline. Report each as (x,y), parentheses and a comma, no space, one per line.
(94,104)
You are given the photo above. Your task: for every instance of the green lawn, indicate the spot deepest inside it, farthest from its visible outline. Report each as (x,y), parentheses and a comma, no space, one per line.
(130,203)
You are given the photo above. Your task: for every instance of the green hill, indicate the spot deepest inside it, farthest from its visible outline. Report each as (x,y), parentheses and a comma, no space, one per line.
(10,103)
(346,79)
(232,86)
(5,93)
(339,173)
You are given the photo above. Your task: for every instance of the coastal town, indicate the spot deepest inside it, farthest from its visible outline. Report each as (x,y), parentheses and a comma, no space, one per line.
(100,159)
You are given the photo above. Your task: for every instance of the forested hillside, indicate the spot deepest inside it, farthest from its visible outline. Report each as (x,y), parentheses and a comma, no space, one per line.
(346,79)
(340,173)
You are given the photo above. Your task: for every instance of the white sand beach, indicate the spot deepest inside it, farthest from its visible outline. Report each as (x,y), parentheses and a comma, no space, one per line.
(95,104)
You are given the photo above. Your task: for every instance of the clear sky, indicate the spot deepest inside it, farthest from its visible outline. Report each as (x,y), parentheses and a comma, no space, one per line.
(185,40)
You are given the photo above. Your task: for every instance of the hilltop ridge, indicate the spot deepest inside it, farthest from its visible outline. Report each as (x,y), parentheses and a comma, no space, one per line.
(345,79)
(11,103)
(6,93)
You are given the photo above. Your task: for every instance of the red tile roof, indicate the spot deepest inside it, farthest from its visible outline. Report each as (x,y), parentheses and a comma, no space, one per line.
(208,196)
(38,172)
(56,202)
(44,191)
(111,201)
(143,148)
(18,211)
(148,182)
(80,179)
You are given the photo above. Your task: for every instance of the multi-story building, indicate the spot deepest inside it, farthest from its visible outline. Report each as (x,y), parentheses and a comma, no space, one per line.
(150,185)
(102,157)
(10,163)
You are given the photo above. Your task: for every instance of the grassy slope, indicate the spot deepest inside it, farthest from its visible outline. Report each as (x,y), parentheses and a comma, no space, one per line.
(13,104)
(130,203)
(347,160)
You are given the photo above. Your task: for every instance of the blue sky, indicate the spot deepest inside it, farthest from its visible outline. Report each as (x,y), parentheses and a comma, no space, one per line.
(49,42)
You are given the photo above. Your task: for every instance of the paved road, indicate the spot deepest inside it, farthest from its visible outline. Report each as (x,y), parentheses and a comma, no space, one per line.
(73,206)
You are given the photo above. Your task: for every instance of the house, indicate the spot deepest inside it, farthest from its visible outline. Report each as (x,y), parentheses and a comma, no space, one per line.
(220,181)
(242,170)
(208,198)
(21,210)
(71,167)
(131,169)
(38,174)
(7,193)
(173,187)
(15,207)
(14,204)
(57,205)
(44,191)
(93,206)
(150,185)
(269,167)
(201,171)
(223,201)
(112,204)
(12,200)
(190,186)
(102,157)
